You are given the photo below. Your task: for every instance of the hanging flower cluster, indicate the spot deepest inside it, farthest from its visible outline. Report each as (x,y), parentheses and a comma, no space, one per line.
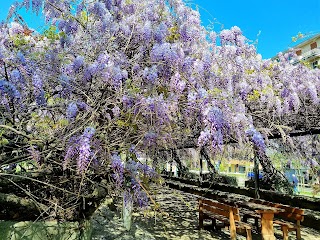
(257,140)
(130,177)
(80,149)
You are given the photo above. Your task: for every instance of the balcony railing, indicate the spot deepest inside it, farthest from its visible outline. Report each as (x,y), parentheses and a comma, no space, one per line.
(307,55)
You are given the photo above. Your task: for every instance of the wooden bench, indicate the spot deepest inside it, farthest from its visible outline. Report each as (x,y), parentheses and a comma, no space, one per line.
(224,213)
(290,219)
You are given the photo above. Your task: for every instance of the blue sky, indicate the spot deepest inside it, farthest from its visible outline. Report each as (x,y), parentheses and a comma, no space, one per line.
(276,20)
(34,21)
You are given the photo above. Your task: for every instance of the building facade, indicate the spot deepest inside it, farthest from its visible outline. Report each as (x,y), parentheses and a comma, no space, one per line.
(308,52)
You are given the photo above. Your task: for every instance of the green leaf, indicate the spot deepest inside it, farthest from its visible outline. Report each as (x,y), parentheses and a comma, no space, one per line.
(3,141)
(121,123)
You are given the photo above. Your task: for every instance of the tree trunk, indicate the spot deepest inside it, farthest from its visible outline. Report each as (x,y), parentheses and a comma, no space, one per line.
(274,177)
(205,155)
(127,207)
(181,169)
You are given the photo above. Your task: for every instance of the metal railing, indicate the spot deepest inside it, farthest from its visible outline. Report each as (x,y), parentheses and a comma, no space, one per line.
(306,55)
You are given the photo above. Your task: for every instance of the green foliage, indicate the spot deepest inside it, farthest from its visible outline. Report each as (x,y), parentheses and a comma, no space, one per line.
(163,90)
(19,41)
(84,17)
(215,92)
(232,180)
(52,33)
(3,140)
(254,96)
(278,158)
(249,71)
(174,34)
(297,37)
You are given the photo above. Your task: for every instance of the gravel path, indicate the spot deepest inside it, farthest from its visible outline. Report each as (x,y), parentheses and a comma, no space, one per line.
(176,218)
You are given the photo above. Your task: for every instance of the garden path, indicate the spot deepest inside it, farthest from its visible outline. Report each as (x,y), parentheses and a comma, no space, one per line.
(176,219)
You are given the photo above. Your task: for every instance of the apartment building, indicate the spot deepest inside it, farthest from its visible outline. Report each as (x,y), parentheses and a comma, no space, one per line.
(308,51)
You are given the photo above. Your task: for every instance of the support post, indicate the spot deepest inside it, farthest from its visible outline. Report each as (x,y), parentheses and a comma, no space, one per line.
(256,177)
(200,174)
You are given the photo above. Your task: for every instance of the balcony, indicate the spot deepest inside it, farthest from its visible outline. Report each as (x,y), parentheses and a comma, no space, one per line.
(306,56)
(310,54)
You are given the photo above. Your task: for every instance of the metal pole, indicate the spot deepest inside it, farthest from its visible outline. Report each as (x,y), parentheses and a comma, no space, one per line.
(200,174)
(256,177)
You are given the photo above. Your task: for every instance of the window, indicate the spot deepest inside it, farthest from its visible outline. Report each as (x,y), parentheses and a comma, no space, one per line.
(313,45)
(242,169)
(314,64)
(298,52)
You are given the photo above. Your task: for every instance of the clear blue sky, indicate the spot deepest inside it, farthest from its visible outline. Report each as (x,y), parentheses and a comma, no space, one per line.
(33,21)
(276,20)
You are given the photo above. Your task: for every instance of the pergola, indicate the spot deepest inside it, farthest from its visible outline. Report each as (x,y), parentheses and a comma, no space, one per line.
(304,122)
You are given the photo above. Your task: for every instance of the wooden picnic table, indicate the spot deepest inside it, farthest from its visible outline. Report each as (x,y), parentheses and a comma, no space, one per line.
(267,215)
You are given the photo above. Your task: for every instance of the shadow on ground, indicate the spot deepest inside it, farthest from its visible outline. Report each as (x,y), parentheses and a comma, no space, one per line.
(176,218)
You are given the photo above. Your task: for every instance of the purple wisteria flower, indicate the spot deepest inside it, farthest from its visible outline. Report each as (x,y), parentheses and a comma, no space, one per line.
(150,138)
(257,140)
(72,111)
(164,52)
(117,76)
(89,132)
(128,101)
(91,71)
(9,89)
(26,4)
(215,116)
(147,32)
(116,111)
(36,5)
(61,24)
(84,154)
(118,168)
(82,105)
(70,153)
(138,194)
(35,154)
(285,93)
(127,175)
(84,149)
(38,90)
(80,8)
(16,76)
(98,9)
(312,163)
(74,108)
(204,138)
(15,28)
(78,63)
(161,32)
(80,147)
(150,74)
(21,58)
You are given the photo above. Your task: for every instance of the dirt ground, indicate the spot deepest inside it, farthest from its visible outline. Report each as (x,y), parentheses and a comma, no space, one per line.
(176,218)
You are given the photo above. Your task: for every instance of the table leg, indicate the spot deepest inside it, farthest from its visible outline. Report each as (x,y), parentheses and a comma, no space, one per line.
(267,226)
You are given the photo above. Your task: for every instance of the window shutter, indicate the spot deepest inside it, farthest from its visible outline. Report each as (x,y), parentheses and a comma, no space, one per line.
(313,45)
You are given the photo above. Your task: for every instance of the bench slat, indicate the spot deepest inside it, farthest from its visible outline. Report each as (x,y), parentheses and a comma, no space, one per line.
(216,210)
(209,215)
(288,224)
(227,214)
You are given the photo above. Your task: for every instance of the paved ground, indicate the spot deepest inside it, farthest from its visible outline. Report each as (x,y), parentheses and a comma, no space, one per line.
(176,218)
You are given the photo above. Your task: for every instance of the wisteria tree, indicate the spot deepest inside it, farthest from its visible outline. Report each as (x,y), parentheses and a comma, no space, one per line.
(111,79)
